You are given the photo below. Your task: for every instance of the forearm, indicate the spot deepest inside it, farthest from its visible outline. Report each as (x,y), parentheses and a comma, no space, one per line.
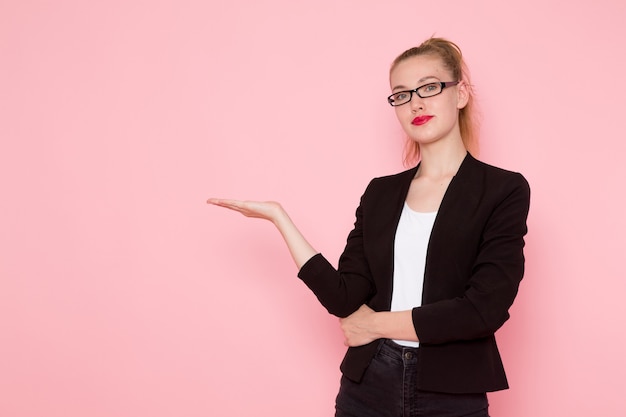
(365,325)
(394,325)
(299,248)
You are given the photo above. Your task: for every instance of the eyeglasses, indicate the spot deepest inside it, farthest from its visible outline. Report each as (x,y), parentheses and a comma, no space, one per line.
(424,91)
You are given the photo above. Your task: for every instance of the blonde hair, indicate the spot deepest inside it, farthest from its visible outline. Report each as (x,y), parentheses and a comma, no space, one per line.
(452,58)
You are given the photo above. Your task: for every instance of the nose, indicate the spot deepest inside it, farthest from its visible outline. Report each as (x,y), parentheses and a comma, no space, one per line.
(416,103)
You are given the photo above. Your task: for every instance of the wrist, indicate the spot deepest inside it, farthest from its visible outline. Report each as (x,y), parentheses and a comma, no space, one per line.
(378,324)
(280,216)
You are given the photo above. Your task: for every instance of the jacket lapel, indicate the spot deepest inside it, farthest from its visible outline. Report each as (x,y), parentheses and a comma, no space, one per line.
(453,219)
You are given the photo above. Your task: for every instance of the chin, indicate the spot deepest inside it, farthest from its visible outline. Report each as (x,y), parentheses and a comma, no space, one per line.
(422,139)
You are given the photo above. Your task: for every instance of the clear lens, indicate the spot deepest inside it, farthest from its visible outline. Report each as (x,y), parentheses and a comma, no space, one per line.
(428,90)
(401,97)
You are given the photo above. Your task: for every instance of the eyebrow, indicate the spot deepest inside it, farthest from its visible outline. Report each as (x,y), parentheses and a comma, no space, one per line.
(418,81)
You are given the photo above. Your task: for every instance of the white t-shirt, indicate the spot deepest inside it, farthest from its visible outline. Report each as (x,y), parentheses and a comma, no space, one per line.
(410,246)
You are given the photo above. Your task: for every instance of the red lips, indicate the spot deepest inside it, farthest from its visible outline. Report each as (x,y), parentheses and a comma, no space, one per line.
(420,120)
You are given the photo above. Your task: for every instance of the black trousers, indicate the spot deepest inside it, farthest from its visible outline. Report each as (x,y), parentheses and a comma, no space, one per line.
(389,389)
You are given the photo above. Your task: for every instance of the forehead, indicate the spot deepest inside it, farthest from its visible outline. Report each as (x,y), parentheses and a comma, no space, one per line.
(412,71)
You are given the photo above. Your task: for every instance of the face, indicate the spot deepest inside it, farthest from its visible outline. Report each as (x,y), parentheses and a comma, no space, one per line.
(431,119)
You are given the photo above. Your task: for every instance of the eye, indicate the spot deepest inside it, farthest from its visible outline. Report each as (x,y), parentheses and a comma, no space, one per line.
(431,89)
(400,96)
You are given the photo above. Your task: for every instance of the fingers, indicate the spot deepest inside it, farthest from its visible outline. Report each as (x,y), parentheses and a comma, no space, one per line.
(224,202)
(236,205)
(268,210)
(247,208)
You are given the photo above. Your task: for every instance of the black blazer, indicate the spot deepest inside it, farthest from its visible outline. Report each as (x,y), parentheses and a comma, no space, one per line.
(474,265)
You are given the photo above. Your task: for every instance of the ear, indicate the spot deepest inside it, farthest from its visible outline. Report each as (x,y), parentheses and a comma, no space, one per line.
(463,94)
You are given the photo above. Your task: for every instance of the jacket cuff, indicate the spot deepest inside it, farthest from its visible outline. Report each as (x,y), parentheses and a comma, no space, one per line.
(313,267)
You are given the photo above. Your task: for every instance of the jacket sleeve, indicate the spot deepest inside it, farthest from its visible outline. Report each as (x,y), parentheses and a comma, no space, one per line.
(494,281)
(341,293)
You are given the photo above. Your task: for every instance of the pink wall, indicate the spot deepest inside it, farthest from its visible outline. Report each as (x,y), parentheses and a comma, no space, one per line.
(123,294)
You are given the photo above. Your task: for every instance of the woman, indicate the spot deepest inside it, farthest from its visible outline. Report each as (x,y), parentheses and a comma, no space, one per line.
(433,262)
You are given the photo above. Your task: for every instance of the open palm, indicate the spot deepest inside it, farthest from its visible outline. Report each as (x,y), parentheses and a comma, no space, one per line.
(268,210)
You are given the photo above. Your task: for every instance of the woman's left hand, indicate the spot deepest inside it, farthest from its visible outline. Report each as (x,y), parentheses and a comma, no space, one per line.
(358,327)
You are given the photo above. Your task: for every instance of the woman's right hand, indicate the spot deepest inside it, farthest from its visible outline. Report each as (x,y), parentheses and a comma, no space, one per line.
(301,251)
(268,210)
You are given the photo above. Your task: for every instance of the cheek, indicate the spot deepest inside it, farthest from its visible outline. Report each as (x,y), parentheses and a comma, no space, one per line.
(448,109)
(402,112)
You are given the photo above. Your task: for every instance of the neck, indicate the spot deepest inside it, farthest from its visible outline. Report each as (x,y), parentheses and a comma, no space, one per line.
(441,159)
